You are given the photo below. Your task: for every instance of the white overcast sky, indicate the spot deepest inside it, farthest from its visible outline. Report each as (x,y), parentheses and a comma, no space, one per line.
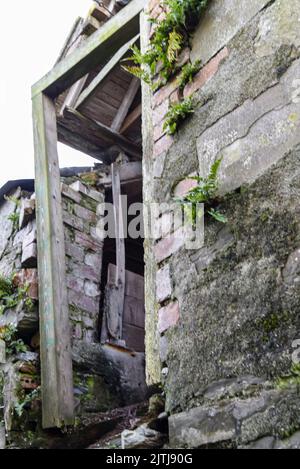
(32,33)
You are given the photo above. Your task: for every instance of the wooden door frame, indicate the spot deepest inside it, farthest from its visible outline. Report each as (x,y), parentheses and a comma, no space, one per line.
(56,355)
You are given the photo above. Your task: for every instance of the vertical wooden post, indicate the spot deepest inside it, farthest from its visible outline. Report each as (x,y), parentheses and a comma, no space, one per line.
(56,360)
(120,243)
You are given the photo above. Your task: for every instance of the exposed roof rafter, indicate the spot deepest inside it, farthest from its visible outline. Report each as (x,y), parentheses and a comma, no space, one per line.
(102,44)
(105,71)
(100,137)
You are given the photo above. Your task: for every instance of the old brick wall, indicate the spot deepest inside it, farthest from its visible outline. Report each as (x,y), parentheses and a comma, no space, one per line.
(104,376)
(221,320)
(83,251)
(84,258)
(96,384)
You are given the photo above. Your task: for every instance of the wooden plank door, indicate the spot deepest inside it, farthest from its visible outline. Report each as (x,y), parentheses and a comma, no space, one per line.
(133,324)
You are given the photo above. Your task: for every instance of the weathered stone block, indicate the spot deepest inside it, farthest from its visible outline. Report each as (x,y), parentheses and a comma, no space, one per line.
(85,272)
(277,416)
(158,165)
(27,212)
(77,331)
(25,319)
(91,289)
(254,136)
(85,214)
(88,242)
(28,235)
(73,221)
(81,301)
(75,283)
(183,58)
(74,251)
(185,186)
(221,22)
(175,97)
(164,225)
(206,73)
(68,192)
(163,284)
(168,317)
(168,246)
(158,131)
(160,112)
(292,442)
(89,336)
(93,260)
(291,271)
(163,349)
(142,438)
(88,322)
(227,388)
(201,426)
(206,255)
(29,278)
(164,93)
(278,26)
(267,442)
(93,194)
(162,145)
(29,256)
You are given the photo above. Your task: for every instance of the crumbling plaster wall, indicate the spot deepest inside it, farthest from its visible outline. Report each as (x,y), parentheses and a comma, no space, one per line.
(227,315)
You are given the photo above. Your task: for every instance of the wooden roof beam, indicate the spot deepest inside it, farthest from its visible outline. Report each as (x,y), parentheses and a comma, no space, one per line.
(126,104)
(97,48)
(105,71)
(98,134)
(131,119)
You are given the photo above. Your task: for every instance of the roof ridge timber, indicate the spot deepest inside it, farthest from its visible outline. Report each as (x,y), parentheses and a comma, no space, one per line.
(103,43)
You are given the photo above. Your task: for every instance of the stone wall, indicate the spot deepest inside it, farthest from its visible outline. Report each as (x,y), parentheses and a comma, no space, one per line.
(83,250)
(104,377)
(84,258)
(224,317)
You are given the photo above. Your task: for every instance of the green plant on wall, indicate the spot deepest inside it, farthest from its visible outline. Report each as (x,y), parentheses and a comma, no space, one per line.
(13,345)
(176,114)
(170,36)
(15,215)
(187,74)
(293,380)
(11,296)
(25,401)
(204,193)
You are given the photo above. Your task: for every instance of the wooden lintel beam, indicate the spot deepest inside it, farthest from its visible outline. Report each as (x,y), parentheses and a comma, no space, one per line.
(79,143)
(126,104)
(98,134)
(105,71)
(99,47)
(56,356)
(131,119)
